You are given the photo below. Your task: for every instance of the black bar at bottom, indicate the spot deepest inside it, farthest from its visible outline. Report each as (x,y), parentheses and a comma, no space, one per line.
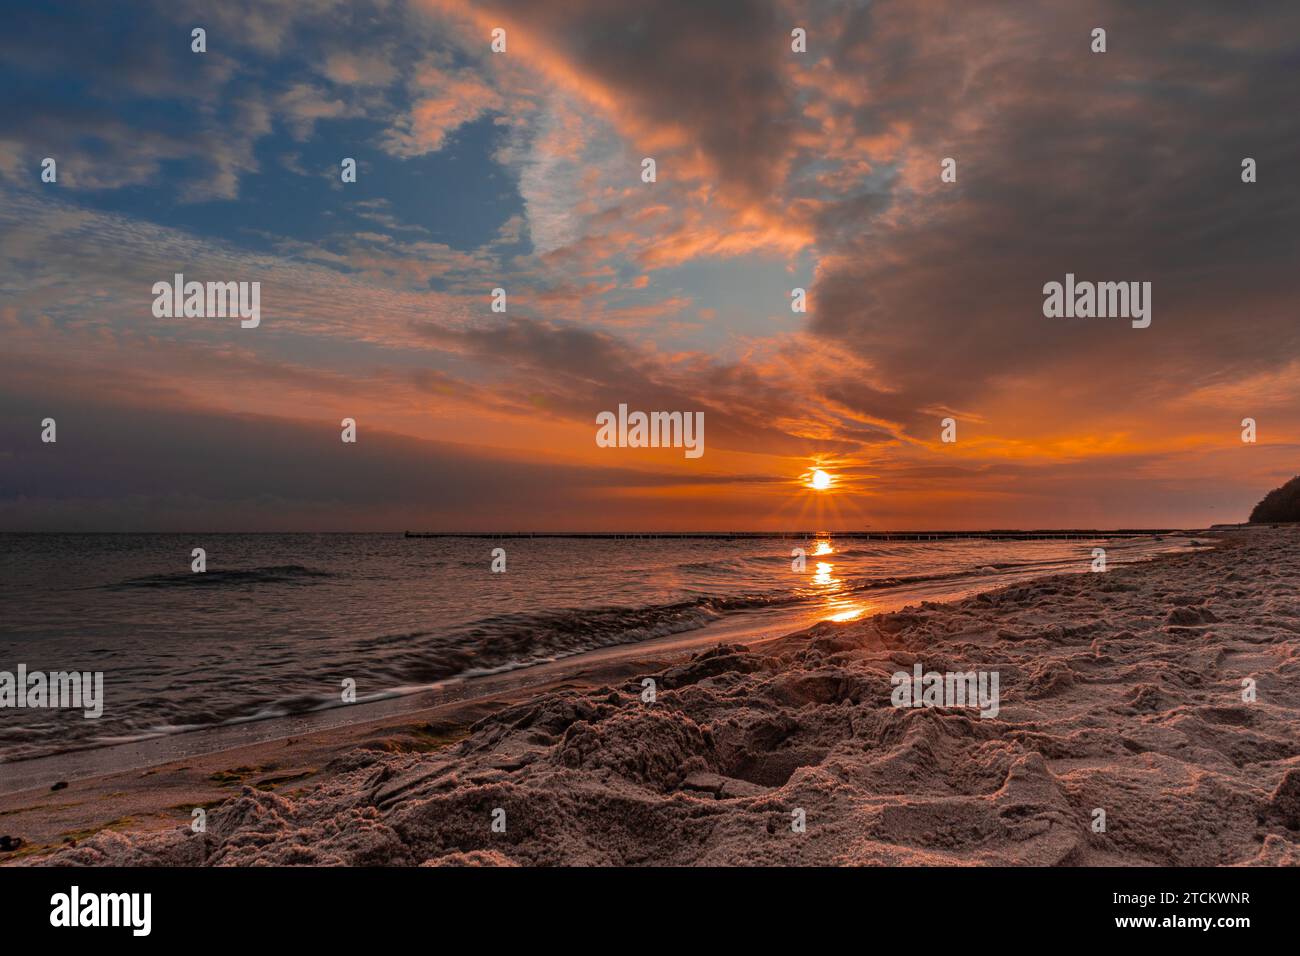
(236,909)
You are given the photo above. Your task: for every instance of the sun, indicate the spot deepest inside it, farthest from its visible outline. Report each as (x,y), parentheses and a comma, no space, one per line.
(820,480)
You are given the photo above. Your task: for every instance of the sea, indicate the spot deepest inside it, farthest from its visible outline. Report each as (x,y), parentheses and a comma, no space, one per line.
(280,625)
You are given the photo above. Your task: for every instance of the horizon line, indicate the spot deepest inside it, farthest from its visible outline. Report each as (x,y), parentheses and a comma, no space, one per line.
(794,533)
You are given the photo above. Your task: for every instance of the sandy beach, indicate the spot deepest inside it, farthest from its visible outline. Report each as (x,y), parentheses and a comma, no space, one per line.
(1120,692)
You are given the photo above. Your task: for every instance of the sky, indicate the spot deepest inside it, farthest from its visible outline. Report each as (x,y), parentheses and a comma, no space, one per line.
(523,170)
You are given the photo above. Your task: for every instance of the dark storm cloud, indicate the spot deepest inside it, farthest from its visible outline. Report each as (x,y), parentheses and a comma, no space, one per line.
(710,70)
(1121,166)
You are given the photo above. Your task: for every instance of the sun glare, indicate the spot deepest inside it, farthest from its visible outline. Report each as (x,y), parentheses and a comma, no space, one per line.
(852,614)
(820,480)
(823,575)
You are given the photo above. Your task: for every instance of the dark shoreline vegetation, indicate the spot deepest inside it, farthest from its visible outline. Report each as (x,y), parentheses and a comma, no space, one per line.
(1279,505)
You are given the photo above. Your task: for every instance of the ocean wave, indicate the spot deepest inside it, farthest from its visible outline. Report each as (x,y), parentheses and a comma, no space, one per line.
(274,574)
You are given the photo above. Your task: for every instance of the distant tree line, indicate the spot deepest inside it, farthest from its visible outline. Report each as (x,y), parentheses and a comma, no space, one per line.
(1280,504)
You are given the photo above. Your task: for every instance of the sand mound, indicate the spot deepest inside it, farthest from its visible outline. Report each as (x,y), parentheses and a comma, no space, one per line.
(1120,693)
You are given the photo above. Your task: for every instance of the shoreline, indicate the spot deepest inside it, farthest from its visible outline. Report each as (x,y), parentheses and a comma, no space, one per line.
(163,794)
(147,749)
(155,804)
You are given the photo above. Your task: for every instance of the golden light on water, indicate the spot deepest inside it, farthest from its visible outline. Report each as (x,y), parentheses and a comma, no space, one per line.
(849,614)
(839,604)
(823,575)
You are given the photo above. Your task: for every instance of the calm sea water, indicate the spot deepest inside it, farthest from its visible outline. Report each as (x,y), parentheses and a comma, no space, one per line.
(278,622)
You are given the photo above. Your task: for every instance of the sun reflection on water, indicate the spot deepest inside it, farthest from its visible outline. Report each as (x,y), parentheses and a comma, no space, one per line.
(823,576)
(837,607)
(851,612)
